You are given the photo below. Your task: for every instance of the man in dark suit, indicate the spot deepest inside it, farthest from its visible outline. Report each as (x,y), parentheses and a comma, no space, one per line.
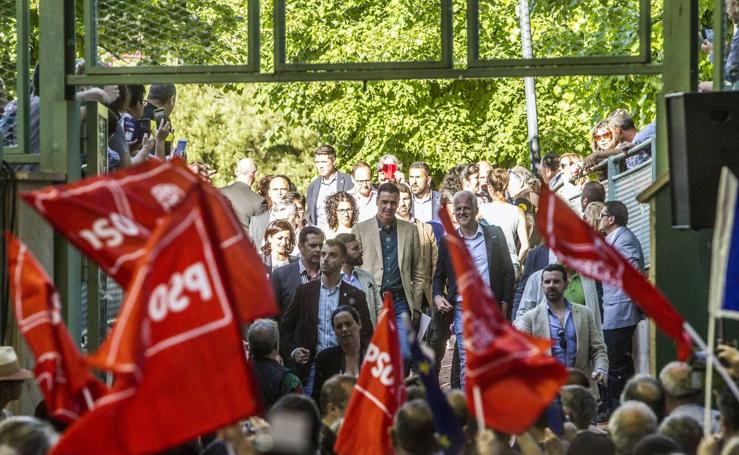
(286,279)
(620,314)
(426,202)
(306,327)
(489,252)
(244,201)
(328,182)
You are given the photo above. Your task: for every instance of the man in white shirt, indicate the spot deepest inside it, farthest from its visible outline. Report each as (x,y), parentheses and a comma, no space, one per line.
(425,200)
(363,193)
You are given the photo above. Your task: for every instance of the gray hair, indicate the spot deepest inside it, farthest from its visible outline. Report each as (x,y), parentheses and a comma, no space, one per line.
(581,403)
(467,194)
(283,210)
(24,435)
(684,430)
(263,337)
(631,422)
(676,379)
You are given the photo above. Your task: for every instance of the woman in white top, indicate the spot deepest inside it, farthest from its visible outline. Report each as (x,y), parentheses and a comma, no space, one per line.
(510,218)
(342,213)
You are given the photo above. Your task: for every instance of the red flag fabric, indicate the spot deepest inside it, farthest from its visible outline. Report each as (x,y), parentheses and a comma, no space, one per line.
(64,378)
(378,394)
(111,218)
(586,251)
(516,378)
(176,347)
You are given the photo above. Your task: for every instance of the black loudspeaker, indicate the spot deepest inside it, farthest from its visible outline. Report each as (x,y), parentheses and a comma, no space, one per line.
(703,136)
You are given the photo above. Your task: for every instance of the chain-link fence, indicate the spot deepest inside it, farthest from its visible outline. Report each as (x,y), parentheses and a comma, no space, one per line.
(8,44)
(171,32)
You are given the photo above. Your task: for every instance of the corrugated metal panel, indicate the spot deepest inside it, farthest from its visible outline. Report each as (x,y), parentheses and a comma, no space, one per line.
(627,186)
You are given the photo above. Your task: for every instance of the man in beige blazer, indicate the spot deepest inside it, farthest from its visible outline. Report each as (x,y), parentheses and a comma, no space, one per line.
(392,254)
(577,341)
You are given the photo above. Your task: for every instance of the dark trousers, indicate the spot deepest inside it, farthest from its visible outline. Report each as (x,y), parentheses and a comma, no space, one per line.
(620,345)
(438,333)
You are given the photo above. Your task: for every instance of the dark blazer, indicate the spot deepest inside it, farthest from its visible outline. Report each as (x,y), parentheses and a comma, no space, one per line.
(244,201)
(299,323)
(285,280)
(330,362)
(343,183)
(500,268)
(258,227)
(537,259)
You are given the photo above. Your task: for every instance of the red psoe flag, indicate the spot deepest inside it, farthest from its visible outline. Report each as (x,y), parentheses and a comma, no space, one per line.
(580,247)
(378,394)
(64,378)
(176,348)
(111,218)
(516,378)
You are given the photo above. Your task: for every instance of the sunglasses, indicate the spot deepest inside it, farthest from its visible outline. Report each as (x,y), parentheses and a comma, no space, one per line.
(562,339)
(598,137)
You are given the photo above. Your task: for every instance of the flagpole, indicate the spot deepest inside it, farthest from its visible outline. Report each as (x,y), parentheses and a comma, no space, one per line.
(716,364)
(477,397)
(709,374)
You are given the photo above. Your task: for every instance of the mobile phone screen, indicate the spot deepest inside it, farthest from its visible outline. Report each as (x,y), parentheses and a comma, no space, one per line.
(180,148)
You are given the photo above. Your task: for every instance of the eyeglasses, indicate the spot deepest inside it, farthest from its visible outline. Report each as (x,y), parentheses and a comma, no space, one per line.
(562,339)
(606,135)
(344,210)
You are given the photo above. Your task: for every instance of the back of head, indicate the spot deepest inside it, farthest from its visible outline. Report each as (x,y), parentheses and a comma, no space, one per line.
(550,161)
(161,93)
(297,407)
(684,430)
(577,377)
(336,391)
(580,403)
(589,443)
(413,429)
(676,378)
(729,408)
(263,337)
(498,180)
(458,402)
(594,191)
(26,436)
(656,444)
(631,422)
(618,210)
(647,389)
(620,118)
(245,167)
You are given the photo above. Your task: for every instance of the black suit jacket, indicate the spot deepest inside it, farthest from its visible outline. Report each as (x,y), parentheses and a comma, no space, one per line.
(500,268)
(343,183)
(299,323)
(537,259)
(244,201)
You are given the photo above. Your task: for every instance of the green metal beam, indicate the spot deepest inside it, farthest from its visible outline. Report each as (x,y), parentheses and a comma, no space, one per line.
(23,65)
(719,38)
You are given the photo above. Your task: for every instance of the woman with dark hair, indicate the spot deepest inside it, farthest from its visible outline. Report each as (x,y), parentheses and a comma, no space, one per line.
(279,240)
(346,358)
(342,213)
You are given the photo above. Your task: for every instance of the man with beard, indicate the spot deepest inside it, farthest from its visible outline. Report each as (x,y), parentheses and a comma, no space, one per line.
(358,277)
(426,202)
(306,327)
(286,279)
(576,341)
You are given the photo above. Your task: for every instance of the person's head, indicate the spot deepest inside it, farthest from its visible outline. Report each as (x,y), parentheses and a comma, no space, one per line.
(676,379)
(387,159)
(554,282)
(11,375)
(332,257)
(298,200)
(119,105)
(163,96)
(570,163)
(470,176)
(602,137)
(310,242)
(498,179)
(484,167)
(647,389)
(732,10)
(614,215)
(629,423)
(592,212)
(419,178)
(577,377)
(285,210)
(387,202)
(578,404)
(23,435)
(405,202)
(589,443)
(279,185)
(728,406)
(325,159)
(335,394)
(362,178)
(296,408)
(622,125)
(413,429)
(549,167)
(279,238)
(263,338)
(263,187)
(353,249)
(656,444)
(246,170)
(347,325)
(466,210)
(341,210)
(521,179)
(592,191)
(136,100)
(684,430)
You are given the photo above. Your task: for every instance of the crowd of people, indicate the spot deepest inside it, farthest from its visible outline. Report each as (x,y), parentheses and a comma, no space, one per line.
(331,254)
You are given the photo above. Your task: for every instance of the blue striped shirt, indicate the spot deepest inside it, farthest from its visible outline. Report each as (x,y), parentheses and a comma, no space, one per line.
(327,303)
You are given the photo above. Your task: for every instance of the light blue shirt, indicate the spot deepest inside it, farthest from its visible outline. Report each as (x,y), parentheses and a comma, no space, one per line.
(352,279)
(568,355)
(478,251)
(327,303)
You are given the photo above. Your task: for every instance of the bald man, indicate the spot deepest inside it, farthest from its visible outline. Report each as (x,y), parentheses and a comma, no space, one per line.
(244,201)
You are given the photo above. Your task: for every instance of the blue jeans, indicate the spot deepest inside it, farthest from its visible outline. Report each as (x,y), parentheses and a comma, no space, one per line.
(400,306)
(459,333)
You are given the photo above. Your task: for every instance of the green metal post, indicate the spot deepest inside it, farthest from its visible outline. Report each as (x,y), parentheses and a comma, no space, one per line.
(719,41)
(60,132)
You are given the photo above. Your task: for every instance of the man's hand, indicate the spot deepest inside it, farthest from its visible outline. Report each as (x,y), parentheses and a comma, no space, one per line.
(730,355)
(163,131)
(416,317)
(442,304)
(600,377)
(300,356)
(590,161)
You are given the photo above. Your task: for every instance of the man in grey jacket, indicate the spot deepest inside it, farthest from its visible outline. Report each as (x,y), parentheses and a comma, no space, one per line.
(244,201)
(359,278)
